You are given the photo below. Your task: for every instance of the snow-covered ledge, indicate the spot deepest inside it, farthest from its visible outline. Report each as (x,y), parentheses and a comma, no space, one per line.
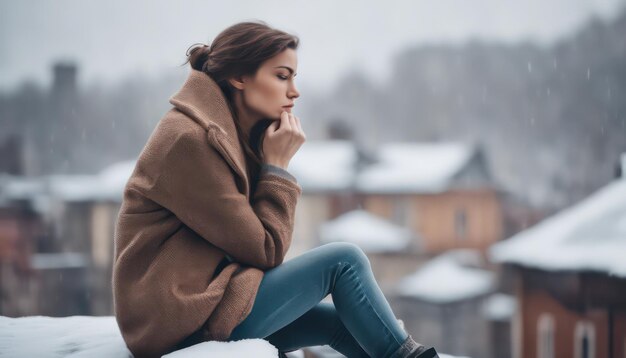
(86,336)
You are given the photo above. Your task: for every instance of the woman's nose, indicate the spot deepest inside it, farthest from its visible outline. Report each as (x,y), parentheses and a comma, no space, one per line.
(294,93)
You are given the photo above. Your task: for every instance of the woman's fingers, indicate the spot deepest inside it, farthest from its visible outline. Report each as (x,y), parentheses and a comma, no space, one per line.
(285,121)
(299,125)
(292,122)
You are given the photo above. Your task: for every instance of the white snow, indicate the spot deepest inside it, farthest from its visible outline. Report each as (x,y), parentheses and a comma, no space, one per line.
(324,165)
(370,232)
(107,185)
(51,337)
(448,278)
(113,178)
(402,167)
(499,307)
(590,235)
(45,261)
(415,167)
(88,337)
(237,349)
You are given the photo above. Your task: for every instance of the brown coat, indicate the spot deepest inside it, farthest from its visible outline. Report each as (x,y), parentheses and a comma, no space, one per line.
(188,204)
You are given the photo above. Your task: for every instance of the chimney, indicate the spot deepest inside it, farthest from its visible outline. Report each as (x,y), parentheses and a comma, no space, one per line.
(620,168)
(64,81)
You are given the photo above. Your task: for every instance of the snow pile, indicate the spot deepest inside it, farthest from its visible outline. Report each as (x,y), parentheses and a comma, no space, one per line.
(74,336)
(87,337)
(84,336)
(324,165)
(447,278)
(241,348)
(368,231)
(590,235)
(415,167)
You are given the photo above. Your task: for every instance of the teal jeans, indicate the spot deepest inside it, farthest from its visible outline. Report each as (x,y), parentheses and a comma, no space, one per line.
(289,314)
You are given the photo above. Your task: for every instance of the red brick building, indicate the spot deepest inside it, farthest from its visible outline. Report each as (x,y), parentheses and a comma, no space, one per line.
(569,275)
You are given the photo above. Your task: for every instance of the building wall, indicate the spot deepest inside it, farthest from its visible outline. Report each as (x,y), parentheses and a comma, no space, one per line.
(103,217)
(311,211)
(453,219)
(536,303)
(619,333)
(389,268)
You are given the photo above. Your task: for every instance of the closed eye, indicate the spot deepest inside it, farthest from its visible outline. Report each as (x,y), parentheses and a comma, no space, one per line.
(283,77)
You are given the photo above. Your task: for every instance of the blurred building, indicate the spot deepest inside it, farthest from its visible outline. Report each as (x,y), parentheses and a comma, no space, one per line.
(450,302)
(390,248)
(56,242)
(442,192)
(570,272)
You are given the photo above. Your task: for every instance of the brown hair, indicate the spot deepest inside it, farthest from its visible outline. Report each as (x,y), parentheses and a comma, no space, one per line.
(239,50)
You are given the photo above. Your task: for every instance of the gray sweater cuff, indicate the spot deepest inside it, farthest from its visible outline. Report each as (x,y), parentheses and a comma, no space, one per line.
(272,169)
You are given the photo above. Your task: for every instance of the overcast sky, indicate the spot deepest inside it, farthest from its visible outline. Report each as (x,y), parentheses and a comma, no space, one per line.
(115,38)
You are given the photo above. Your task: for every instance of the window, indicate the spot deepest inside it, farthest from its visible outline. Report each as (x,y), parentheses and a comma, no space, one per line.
(545,336)
(584,340)
(460,223)
(402,211)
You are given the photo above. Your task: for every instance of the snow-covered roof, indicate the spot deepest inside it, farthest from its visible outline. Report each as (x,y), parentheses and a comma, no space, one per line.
(45,261)
(324,165)
(85,336)
(590,235)
(107,185)
(415,167)
(448,278)
(499,307)
(371,232)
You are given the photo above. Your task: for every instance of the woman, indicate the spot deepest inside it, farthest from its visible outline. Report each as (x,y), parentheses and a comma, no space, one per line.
(208,213)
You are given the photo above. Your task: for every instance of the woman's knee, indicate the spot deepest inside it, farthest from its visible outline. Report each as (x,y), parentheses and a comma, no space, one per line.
(350,253)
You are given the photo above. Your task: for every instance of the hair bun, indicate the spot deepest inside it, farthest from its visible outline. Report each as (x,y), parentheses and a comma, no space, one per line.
(191,49)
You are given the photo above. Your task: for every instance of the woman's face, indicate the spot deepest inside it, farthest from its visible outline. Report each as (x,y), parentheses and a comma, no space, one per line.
(272,87)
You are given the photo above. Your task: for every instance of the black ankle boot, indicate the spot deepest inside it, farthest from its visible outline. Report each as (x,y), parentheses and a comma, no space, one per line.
(412,349)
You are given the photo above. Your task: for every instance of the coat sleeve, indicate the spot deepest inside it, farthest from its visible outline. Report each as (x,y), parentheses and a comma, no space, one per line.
(198,186)
(269,168)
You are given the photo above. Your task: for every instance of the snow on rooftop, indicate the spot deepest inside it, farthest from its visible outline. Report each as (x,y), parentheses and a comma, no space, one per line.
(446,279)
(45,261)
(415,167)
(114,177)
(85,336)
(370,232)
(590,235)
(499,307)
(107,185)
(324,164)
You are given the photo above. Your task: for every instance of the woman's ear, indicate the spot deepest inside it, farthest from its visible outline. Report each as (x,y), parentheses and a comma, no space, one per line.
(237,82)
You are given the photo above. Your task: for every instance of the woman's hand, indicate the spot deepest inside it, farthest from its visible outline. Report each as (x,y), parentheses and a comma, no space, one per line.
(282,140)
